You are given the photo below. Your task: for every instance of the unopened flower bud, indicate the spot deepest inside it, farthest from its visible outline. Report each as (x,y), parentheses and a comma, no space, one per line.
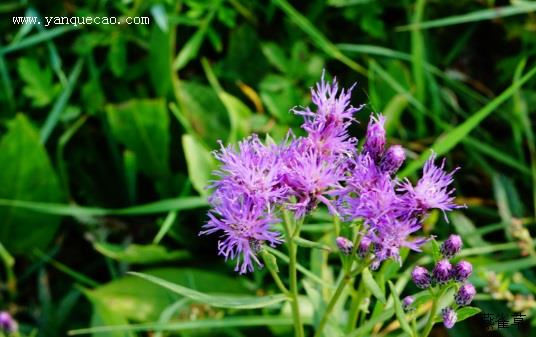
(451,246)
(407,303)
(364,247)
(462,271)
(345,245)
(421,277)
(375,142)
(449,317)
(392,160)
(465,294)
(442,272)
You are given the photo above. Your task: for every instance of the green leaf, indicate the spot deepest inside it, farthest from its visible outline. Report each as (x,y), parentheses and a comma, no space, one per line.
(38,82)
(399,311)
(124,296)
(220,301)
(200,163)
(117,55)
(205,113)
(103,314)
(467,230)
(27,175)
(143,127)
(466,312)
(139,254)
(160,59)
(226,322)
(373,286)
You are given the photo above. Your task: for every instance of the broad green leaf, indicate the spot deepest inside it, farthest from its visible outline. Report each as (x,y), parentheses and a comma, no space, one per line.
(142,301)
(103,314)
(143,127)
(204,111)
(221,301)
(200,163)
(226,322)
(27,175)
(139,254)
(117,55)
(373,286)
(466,312)
(399,311)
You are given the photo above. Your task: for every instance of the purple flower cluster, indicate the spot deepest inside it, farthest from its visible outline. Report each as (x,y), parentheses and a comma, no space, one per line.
(256,181)
(443,273)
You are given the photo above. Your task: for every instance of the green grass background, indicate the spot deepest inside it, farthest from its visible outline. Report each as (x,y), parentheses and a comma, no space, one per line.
(106,133)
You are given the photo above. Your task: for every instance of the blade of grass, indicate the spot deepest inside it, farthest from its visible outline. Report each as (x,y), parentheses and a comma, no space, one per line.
(60,104)
(318,38)
(37,38)
(485,14)
(226,322)
(456,135)
(6,83)
(417,63)
(160,206)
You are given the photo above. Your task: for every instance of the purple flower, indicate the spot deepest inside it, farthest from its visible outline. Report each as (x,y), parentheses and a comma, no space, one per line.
(392,160)
(452,246)
(375,141)
(432,190)
(421,277)
(246,226)
(310,176)
(344,245)
(462,271)
(407,303)
(449,317)
(7,323)
(465,294)
(253,170)
(442,272)
(327,127)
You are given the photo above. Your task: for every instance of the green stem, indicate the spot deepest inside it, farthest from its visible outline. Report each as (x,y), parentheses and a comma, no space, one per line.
(430,322)
(334,298)
(293,292)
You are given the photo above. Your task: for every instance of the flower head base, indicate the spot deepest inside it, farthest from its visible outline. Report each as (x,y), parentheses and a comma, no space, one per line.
(344,245)
(449,317)
(465,294)
(462,271)
(421,277)
(7,323)
(452,246)
(245,226)
(442,272)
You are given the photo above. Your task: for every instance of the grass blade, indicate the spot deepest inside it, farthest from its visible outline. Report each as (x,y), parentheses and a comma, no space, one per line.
(227,322)
(161,206)
(37,38)
(220,301)
(485,14)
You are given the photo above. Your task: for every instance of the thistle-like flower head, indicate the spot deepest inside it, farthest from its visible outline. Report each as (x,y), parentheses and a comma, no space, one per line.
(449,317)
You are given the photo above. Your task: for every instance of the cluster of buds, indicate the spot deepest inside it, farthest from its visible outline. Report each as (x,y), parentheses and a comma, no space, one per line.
(444,273)
(7,324)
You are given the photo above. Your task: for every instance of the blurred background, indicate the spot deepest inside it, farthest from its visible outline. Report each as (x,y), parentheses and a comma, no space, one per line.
(106,132)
